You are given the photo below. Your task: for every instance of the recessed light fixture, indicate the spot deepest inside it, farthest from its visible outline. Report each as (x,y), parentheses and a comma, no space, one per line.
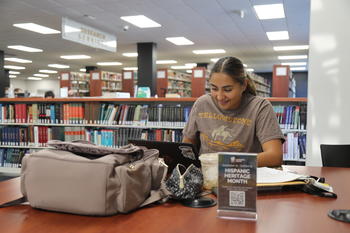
(191,65)
(82,70)
(48,71)
(214,59)
(270,11)
(72,57)
(24,48)
(185,67)
(298,68)
(293,63)
(14,67)
(166,62)
(12,76)
(130,54)
(19,60)
(111,63)
(36,28)
(41,75)
(209,51)
(112,43)
(179,40)
(14,72)
(250,69)
(34,78)
(278,35)
(130,68)
(58,66)
(292,47)
(292,57)
(141,21)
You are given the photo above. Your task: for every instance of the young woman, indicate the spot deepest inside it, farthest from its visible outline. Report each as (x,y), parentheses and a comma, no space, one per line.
(233,118)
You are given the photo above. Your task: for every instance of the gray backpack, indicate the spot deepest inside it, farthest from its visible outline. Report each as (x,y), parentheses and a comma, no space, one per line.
(82,178)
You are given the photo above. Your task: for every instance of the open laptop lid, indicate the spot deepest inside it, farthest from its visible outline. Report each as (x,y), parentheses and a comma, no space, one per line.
(172,152)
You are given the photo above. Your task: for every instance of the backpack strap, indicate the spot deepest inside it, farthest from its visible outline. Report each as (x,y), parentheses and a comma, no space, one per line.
(14,202)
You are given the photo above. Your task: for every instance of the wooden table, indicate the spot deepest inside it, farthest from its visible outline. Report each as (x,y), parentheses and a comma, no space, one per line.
(278,212)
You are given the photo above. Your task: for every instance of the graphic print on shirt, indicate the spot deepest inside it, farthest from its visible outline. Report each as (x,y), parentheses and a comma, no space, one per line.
(223,136)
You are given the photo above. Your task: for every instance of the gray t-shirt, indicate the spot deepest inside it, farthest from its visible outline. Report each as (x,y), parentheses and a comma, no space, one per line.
(240,130)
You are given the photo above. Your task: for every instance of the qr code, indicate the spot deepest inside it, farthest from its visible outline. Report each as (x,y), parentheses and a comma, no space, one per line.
(237,198)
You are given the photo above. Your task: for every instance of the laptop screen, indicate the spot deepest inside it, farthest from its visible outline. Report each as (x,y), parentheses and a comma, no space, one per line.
(172,152)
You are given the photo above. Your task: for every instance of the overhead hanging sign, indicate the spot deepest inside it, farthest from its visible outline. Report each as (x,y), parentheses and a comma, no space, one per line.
(89,36)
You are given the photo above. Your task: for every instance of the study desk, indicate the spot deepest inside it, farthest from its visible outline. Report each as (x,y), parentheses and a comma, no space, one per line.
(280,212)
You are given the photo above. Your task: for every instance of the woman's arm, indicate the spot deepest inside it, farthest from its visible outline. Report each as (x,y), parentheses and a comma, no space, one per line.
(190,140)
(271,155)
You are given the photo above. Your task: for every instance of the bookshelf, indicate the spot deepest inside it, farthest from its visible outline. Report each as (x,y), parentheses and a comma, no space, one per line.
(26,124)
(263,88)
(77,82)
(173,82)
(129,78)
(283,82)
(104,82)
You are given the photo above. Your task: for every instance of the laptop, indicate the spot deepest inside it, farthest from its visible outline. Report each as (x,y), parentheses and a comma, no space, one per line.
(173,153)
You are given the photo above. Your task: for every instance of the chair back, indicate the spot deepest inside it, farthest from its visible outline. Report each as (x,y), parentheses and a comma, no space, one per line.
(335,155)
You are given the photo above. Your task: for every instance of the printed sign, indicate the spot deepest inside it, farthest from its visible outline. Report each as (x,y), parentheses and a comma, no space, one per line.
(89,36)
(237,185)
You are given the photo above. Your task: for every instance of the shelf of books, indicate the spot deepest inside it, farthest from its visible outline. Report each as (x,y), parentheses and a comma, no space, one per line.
(173,82)
(27,124)
(102,83)
(77,82)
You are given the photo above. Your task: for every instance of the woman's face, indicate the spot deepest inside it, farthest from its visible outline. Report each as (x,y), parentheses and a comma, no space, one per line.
(226,92)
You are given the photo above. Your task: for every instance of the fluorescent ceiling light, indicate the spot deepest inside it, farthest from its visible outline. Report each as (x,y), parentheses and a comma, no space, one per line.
(191,65)
(34,78)
(294,63)
(130,54)
(14,72)
(209,51)
(41,75)
(250,69)
(214,59)
(245,65)
(24,48)
(292,57)
(71,57)
(130,68)
(189,71)
(185,67)
(58,66)
(179,40)
(48,71)
(166,62)
(14,59)
(278,35)
(14,67)
(111,63)
(82,70)
(270,11)
(36,28)
(12,76)
(293,47)
(141,21)
(112,43)
(298,68)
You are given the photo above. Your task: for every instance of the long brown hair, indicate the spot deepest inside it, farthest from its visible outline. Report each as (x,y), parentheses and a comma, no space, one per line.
(234,68)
